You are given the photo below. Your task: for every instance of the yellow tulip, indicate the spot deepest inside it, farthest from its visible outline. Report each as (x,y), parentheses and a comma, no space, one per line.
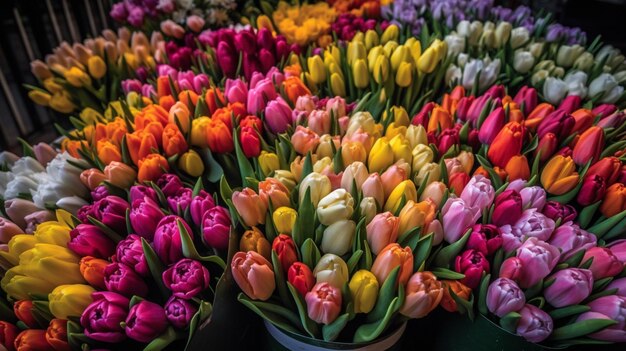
(268,161)
(16,246)
(390,47)
(353,151)
(401,148)
(70,300)
(371,39)
(199,132)
(191,163)
(61,102)
(415,214)
(337,85)
(52,86)
(364,291)
(39,97)
(393,130)
(372,55)
(428,61)
(400,54)
(422,155)
(400,116)
(52,233)
(391,33)
(361,74)
(356,51)
(285,177)
(90,116)
(284,218)
(559,175)
(77,77)
(404,76)
(96,66)
(381,69)
(416,135)
(430,171)
(407,189)
(416,49)
(316,69)
(21,287)
(381,155)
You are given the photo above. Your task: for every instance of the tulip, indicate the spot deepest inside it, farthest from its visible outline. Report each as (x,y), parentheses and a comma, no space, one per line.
(23,310)
(504,296)
(393,176)
(174,142)
(559,175)
(533,197)
(318,185)
(123,280)
(219,137)
(618,248)
(151,167)
(571,286)
(92,177)
(478,194)
(141,191)
(364,290)
(56,335)
(456,217)
(620,285)
(355,173)
(254,240)
(250,206)
(323,303)
(69,300)
(605,263)
(506,144)
(491,126)
(614,200)
(300,276)
(8,230)
(331,269)
(537,258)
(130,252)
(406,189)
(17,209)
(8,333)
(215,227)
(278,116)
(382,231)
(592,190)
(373,187)
(517,168)
(423,294)
(484,238)
(338,237)
(381,155)
(607,307)
(253,274)
(167,239)
(285,249)
(191,163)
(186,278)
(434,192)
(555,211)
(144,216)
(120,175)
(336,206)
(472,264)
(145,321)
(607,168)
(89,240)
(461,291)
(535,325)
(179,312)
(508,208)
(31,339)
(589,146)
(92,269)
(392,256)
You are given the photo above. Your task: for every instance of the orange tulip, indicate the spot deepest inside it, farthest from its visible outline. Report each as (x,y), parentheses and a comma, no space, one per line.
(180,115)
(32,340)
(163,86)
(507,144)
(249,206)
(108,152)
(294,88)
(219,137)
(56,335)
(537,115)
(214,99)
(481,171)
(608,168)
(167,102)
(500,172)
(254,275)
(174,142)
(459,289)
(273,189)
(8,333)
(92,269)
(140,144)
(151,113)
(92,178)
(583,119)
(517,168)
(120,174)
(559,175)
(254,240)
(614,200)
(186,95)
(439,119)
(152,167)
(423,294)
(114,130)
(392,256)
(515,114)
(23,310)
(156,129)
(225,114)
(589,146)
(72,146)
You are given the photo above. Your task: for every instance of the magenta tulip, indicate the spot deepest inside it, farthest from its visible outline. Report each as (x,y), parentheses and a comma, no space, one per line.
(491,126)
(618,248)
(512,268)
(180,201)
(535,325)
(485,238)
(278,116)
(101,319)
(139,192)
(144,216)
(186,278)
(169,184)
(592,190)
(620,285)
(121,279)
(89,240)
(112,212)
(130,252)
(179,312)
(508,208)
(472,264)
(200,204)
(555,211)
(570,239)
(146,321)
(216,226)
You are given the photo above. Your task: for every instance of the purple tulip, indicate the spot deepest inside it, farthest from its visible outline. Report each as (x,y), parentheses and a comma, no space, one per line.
(558,122)
(83,213)
(139,192)
(278,116)
(535,325)
(200,204)
(259,95)
(504,296)
(570,239)
(605,264)
(89,240)
(36,218)
(169,184)
(491,126)
(99,193)
(130,252)
(123,280)
(472,264)
(530,224)
(146,320)
(570,287)
(112,212)
(179,202)
(555,211)
(144,216)
(485,238)
(179,312)
(129,85)
(457,216)
(226,59)
(533,197)
(186,278)
(167,241)
(478,194)
(517,185)
(118,12)
(618,248)
(620,285)
(236,91)
(476,108)
(538,258)
(101,319)
(608,307)
(216,227)
(508,208)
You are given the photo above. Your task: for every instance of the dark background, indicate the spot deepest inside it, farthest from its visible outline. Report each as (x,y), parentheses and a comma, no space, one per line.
(28,31)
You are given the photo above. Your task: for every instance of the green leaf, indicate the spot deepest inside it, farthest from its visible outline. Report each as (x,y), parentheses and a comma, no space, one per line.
(310,253)
(309,325)
(278,315)
(371,331)
(225,191)
(587,213)
(110,233)
(156,268)
(214,171)
(331,331)
(421,252)
(568,311)
(204,311)
(281,281)
(482,294)
(245,168)
(189,249)
(353,261)
(575,260)
(445,256)
(509,322)
(581,328)
(603,227)
(444,273)
(385,296)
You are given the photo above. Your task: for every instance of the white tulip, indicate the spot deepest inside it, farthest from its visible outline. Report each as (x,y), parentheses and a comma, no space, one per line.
(584,62)
(523,61)
(20,185)
(536,49)
(539,77)
(566,55)
(554,90)
(27,165)
(454,75)
(455,43)
(5,179)
(336,206)
(71,203)
(602,85)
(519,37)
(8,158)
(338,237)
(576,83)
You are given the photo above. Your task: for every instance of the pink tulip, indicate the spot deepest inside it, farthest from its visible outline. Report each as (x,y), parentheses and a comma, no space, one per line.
(260,95)
(36,218)
(254,275)
(382,231)
(17,209)
(278,116)
(570,239)
(620,285)
(512,268)
(373,187)
(195,23)
(472,264)
(528,97)
(8,229)
(319,121)
(508,208)
(337,105)
(393,176)
(249,206)
(605,263)
(478,194)
(538,259)
(304,140)
(491,126)
(570,287)
(535,325)
(609,307)
(504,296)
(323,303)
(618,248)
(533,197)
(236,91)
(44,153)
(530,224)
(457,216)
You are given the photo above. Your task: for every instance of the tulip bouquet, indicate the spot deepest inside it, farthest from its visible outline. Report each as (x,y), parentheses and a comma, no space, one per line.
(304,24)
(86,77)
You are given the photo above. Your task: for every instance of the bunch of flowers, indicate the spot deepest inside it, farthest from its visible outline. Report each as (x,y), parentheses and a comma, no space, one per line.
(304,24)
